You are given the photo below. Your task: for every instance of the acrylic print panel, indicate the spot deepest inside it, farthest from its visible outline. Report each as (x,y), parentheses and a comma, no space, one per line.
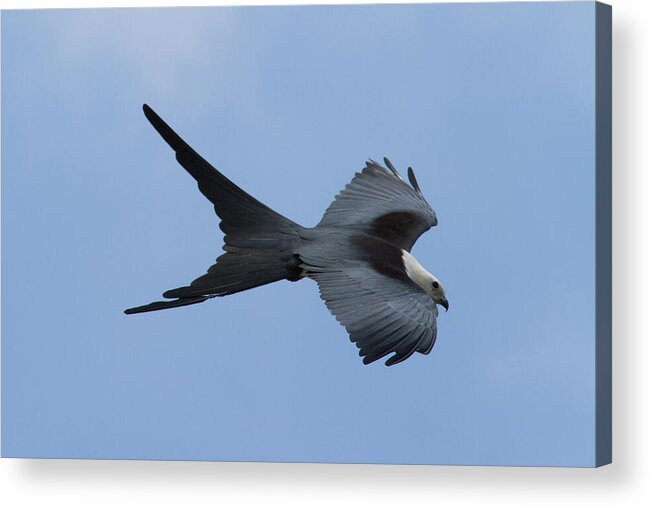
(501,109)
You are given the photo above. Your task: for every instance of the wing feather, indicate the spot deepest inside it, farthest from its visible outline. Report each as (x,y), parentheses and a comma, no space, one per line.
(380,202)
(382,315)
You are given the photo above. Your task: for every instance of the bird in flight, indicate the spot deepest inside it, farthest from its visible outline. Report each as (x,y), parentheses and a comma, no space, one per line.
(359,254)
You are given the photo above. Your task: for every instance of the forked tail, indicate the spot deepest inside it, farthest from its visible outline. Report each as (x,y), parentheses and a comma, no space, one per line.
(259,242)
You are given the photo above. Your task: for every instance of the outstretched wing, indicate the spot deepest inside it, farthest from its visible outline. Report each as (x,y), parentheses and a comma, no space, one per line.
(382,315)
(378,201)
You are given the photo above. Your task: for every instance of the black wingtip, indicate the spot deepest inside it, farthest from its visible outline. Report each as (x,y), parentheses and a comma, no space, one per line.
(398,358)
(394,359)
(391,167)
(413,181)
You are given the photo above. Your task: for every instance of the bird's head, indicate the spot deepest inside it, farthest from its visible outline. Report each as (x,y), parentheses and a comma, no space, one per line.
(438,293)
(426,280)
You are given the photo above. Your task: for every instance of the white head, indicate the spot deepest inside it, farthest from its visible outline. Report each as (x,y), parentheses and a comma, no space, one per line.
(426,280)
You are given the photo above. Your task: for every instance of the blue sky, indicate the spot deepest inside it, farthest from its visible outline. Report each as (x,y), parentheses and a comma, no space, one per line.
(493,106)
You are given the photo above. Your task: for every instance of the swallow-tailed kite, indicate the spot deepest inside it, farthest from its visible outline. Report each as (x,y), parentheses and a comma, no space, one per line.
(359,254)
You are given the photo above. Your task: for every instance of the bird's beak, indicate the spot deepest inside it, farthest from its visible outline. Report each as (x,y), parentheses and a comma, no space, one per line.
(444,303)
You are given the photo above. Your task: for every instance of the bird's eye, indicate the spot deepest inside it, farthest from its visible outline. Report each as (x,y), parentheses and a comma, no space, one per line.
(435,285)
